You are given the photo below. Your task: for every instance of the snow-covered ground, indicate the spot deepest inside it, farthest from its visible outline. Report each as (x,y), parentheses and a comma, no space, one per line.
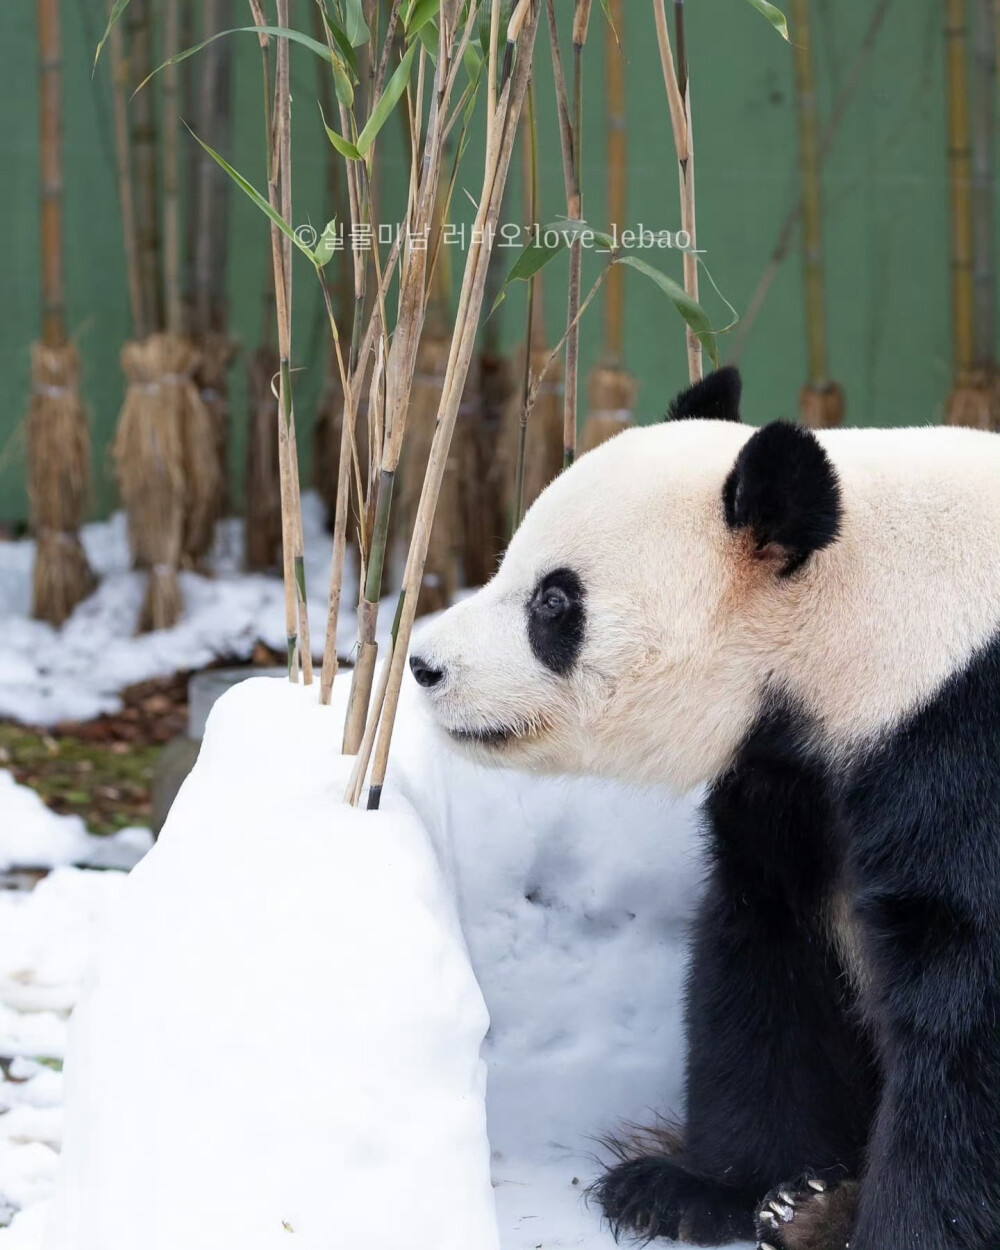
(572,895)
(75,673)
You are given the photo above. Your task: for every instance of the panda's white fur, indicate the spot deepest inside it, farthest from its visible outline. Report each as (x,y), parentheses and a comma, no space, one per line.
(687,627)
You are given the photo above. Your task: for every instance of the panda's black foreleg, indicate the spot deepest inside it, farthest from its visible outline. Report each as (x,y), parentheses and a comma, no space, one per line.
(780,1079)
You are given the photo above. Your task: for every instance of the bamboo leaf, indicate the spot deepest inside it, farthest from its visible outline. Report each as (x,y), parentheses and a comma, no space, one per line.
(430,38)
(344,44)
(355,26)
(117,9)
(542,248)
(327,245)
(280,32)
(344,146)
(774,15)
(342,81)
(251,191)
(421,12)
(606,6)
(390,98)
(689,309)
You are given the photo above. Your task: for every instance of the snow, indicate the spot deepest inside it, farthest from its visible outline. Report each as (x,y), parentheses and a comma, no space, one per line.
(341,957)
(33,837)
(572,896)
(76,673)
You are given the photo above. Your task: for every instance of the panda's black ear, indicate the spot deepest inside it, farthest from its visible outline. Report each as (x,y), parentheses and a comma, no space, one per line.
(716,398)
(784,491)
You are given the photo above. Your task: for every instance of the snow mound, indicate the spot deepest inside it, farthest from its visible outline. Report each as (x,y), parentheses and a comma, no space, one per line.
(278,930)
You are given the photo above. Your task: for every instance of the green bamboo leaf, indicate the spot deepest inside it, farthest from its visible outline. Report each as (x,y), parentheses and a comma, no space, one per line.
(606,6)
(774,15)
(327,245)
(429,37)
(117,9)
(355,26)
(473,62)
(689,309)
(421,12)
(546,243)
(344,146)
(389,99)
(342,81)
(249,190)
(280,32)
(344,44)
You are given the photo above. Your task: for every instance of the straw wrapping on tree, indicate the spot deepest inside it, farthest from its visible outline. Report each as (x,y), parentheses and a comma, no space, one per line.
(149,462)
(59,460)
(58,437)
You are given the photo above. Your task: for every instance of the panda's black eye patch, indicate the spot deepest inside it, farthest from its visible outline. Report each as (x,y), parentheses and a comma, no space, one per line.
(557,619)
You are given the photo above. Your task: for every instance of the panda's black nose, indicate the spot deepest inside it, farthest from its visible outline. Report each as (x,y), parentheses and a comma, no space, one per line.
(426,675)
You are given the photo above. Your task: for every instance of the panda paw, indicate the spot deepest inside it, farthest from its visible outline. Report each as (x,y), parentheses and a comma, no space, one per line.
(808,1214)
(653,1196)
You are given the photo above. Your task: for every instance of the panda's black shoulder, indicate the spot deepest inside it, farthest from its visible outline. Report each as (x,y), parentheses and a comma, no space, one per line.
(715,398)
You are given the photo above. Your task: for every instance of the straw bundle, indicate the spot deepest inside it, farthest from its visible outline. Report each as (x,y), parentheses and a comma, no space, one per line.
(262,505)
(216,352)
(611,395)
(59,460)
(58,438)
(204,479)
(149,461)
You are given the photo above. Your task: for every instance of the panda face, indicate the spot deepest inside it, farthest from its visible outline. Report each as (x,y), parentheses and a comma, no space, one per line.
(662,592)
(598,644)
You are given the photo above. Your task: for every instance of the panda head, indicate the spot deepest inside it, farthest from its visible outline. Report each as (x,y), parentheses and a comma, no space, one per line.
(614,638)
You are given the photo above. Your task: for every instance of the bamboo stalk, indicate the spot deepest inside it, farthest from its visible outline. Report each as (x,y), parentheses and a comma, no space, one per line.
(119,82)
(821,400)
(280,191)
(812,202)
(984,182)
(58,437)
(571,143)
(171,187)
(829,133)
(402,355)
(143,141)
(611,392)
(502,128)
(535,321)
(679,103)
(50,142)
(614,290)
(973,400)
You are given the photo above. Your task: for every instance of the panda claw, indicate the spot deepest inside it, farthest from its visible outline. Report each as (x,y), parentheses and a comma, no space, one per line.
(770,1218)
(785,1196)
(818,1185)
(782,1211)
(764,1245)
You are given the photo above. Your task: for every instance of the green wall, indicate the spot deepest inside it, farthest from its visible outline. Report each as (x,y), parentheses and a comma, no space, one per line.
(886,209)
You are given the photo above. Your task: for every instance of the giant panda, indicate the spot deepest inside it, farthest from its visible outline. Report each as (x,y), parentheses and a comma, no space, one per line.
(809,625)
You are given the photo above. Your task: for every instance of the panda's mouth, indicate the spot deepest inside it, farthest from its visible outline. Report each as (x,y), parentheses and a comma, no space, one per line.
(488,735)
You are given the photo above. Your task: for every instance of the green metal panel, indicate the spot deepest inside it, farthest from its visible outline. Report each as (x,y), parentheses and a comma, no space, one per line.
(886,208)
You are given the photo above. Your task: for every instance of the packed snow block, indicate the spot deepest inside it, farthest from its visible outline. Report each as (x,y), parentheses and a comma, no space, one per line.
(279,1043)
